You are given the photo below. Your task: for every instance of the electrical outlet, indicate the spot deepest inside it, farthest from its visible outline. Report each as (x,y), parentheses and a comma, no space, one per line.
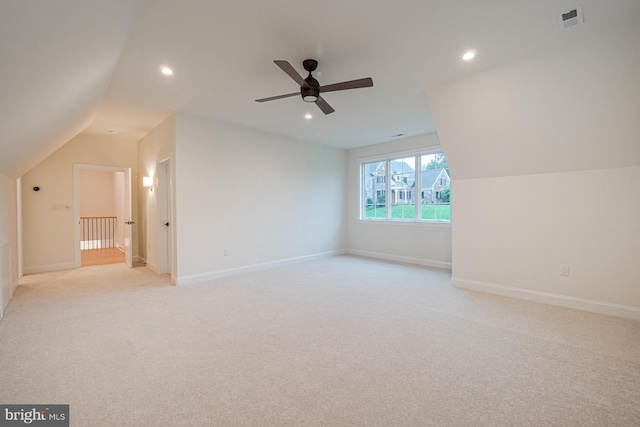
(564,270)
(226,251)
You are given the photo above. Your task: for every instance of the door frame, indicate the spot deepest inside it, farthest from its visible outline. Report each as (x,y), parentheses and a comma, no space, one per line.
(77,167)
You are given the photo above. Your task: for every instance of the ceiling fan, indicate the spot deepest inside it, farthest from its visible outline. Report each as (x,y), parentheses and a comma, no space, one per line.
(310,89)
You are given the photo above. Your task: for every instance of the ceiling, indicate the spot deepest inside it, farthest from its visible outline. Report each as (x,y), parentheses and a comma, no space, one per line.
(92,66)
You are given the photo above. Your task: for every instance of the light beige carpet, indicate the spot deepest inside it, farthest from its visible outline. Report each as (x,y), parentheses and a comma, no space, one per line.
(342,341)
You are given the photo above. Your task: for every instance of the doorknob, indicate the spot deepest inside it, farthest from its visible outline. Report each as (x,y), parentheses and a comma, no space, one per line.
(166,224)
(129,222)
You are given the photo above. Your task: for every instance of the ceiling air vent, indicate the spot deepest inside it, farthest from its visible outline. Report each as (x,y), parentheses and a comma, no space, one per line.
(571,18)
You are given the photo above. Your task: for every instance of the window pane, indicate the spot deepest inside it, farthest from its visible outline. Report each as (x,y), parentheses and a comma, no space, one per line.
(435,187)
(412,185)
(402,187)
(374,190)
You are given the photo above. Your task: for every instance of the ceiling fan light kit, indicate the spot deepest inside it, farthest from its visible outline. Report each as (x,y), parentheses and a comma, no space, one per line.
(309,94)
(310,88)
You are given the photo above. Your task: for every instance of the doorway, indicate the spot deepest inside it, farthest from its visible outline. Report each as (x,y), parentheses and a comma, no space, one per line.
(102,213)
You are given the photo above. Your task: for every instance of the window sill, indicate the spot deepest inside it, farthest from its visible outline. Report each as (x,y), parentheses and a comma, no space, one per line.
(414,223)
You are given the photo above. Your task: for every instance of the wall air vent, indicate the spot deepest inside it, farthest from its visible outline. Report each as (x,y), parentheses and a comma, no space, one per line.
(571,18)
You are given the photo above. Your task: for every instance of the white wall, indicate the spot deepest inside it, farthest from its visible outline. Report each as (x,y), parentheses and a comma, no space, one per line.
(264,197)
(48,232)
(544,156)
(97,193)
(426,244)
(588,220)
(8,241)
(158,143)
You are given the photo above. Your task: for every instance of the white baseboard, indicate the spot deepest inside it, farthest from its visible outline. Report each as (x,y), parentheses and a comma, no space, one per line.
(198,278)
(51,267)
(601,307)
(404,259)
(152,266)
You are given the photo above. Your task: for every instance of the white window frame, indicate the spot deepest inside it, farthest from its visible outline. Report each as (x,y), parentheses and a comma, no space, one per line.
(418,177)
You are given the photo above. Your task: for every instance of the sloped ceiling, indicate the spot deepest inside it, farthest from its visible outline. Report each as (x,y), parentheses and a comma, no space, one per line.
(92,66)
(521,119)
(58,58)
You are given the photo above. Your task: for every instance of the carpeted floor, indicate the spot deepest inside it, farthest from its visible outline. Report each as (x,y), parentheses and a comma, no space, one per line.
(342,341)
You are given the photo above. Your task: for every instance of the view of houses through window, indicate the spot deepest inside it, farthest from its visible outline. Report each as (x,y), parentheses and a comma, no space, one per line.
(415,187)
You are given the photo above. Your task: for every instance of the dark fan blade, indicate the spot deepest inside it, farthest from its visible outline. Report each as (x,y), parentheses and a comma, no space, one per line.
(352,84)
(287,68)
(324,106)
(273,98)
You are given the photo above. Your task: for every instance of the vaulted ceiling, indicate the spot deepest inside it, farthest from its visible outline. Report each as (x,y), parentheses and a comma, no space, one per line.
(71,66)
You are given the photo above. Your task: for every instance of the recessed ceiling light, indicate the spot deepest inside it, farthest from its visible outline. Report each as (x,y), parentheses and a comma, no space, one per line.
(469,55)
(166,71)
(308,116)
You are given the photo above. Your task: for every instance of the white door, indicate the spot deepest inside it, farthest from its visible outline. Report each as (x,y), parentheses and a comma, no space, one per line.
(128,222)
(165,221)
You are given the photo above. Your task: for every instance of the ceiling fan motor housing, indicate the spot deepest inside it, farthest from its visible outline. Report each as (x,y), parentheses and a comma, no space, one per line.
(310,90)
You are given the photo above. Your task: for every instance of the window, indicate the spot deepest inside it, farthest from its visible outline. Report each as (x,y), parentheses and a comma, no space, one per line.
(414,187)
